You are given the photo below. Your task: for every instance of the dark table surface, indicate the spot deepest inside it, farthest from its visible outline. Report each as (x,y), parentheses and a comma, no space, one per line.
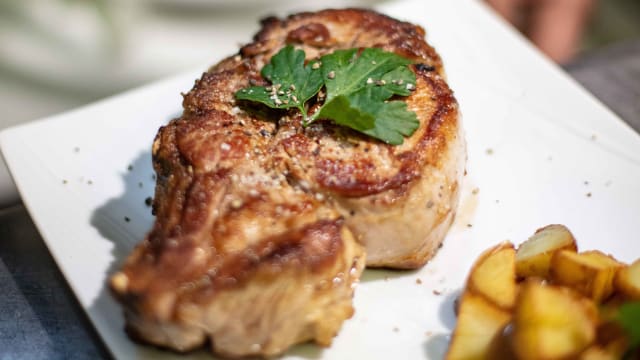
(40,317)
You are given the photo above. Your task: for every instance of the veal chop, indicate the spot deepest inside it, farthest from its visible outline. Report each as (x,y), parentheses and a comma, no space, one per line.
(262,225)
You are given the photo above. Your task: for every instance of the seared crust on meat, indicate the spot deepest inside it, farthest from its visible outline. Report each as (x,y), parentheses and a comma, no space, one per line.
(260,223)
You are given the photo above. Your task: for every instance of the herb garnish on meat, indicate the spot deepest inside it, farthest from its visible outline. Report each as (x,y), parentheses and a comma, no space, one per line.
(358,87)
(629,318)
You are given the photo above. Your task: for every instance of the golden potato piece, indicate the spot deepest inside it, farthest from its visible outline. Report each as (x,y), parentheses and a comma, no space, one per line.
(589,272)
(479,327)
(611,338)
(596,352)
(551,322)
(494,275)
(627,281)
(534,255)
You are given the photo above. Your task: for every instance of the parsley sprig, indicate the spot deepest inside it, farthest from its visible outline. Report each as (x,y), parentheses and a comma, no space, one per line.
(629,318)
(358,87)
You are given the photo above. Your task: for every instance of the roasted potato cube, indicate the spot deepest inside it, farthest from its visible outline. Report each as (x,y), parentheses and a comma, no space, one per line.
(627,281)
(479,328)
(596,352)
(552,322)
(494,275)
(533,257)
(611,338)
(589,272)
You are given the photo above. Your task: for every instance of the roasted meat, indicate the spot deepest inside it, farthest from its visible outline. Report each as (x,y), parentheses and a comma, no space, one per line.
(262,225)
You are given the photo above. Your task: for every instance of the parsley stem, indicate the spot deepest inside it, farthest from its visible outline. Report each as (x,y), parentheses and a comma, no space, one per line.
(305,116)
(313,117)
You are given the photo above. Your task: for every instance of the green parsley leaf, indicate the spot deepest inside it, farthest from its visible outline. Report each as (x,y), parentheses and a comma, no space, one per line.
(346,73)
(358,90)
(363,111)
(358,86)
(292,83)
(343,111)
(396,81)
(629,318)
(393,121)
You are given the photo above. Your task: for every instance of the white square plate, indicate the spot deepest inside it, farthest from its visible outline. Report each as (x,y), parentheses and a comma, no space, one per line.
(541,150)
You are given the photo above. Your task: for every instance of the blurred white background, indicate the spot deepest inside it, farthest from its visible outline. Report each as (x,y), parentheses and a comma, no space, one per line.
(56,55)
